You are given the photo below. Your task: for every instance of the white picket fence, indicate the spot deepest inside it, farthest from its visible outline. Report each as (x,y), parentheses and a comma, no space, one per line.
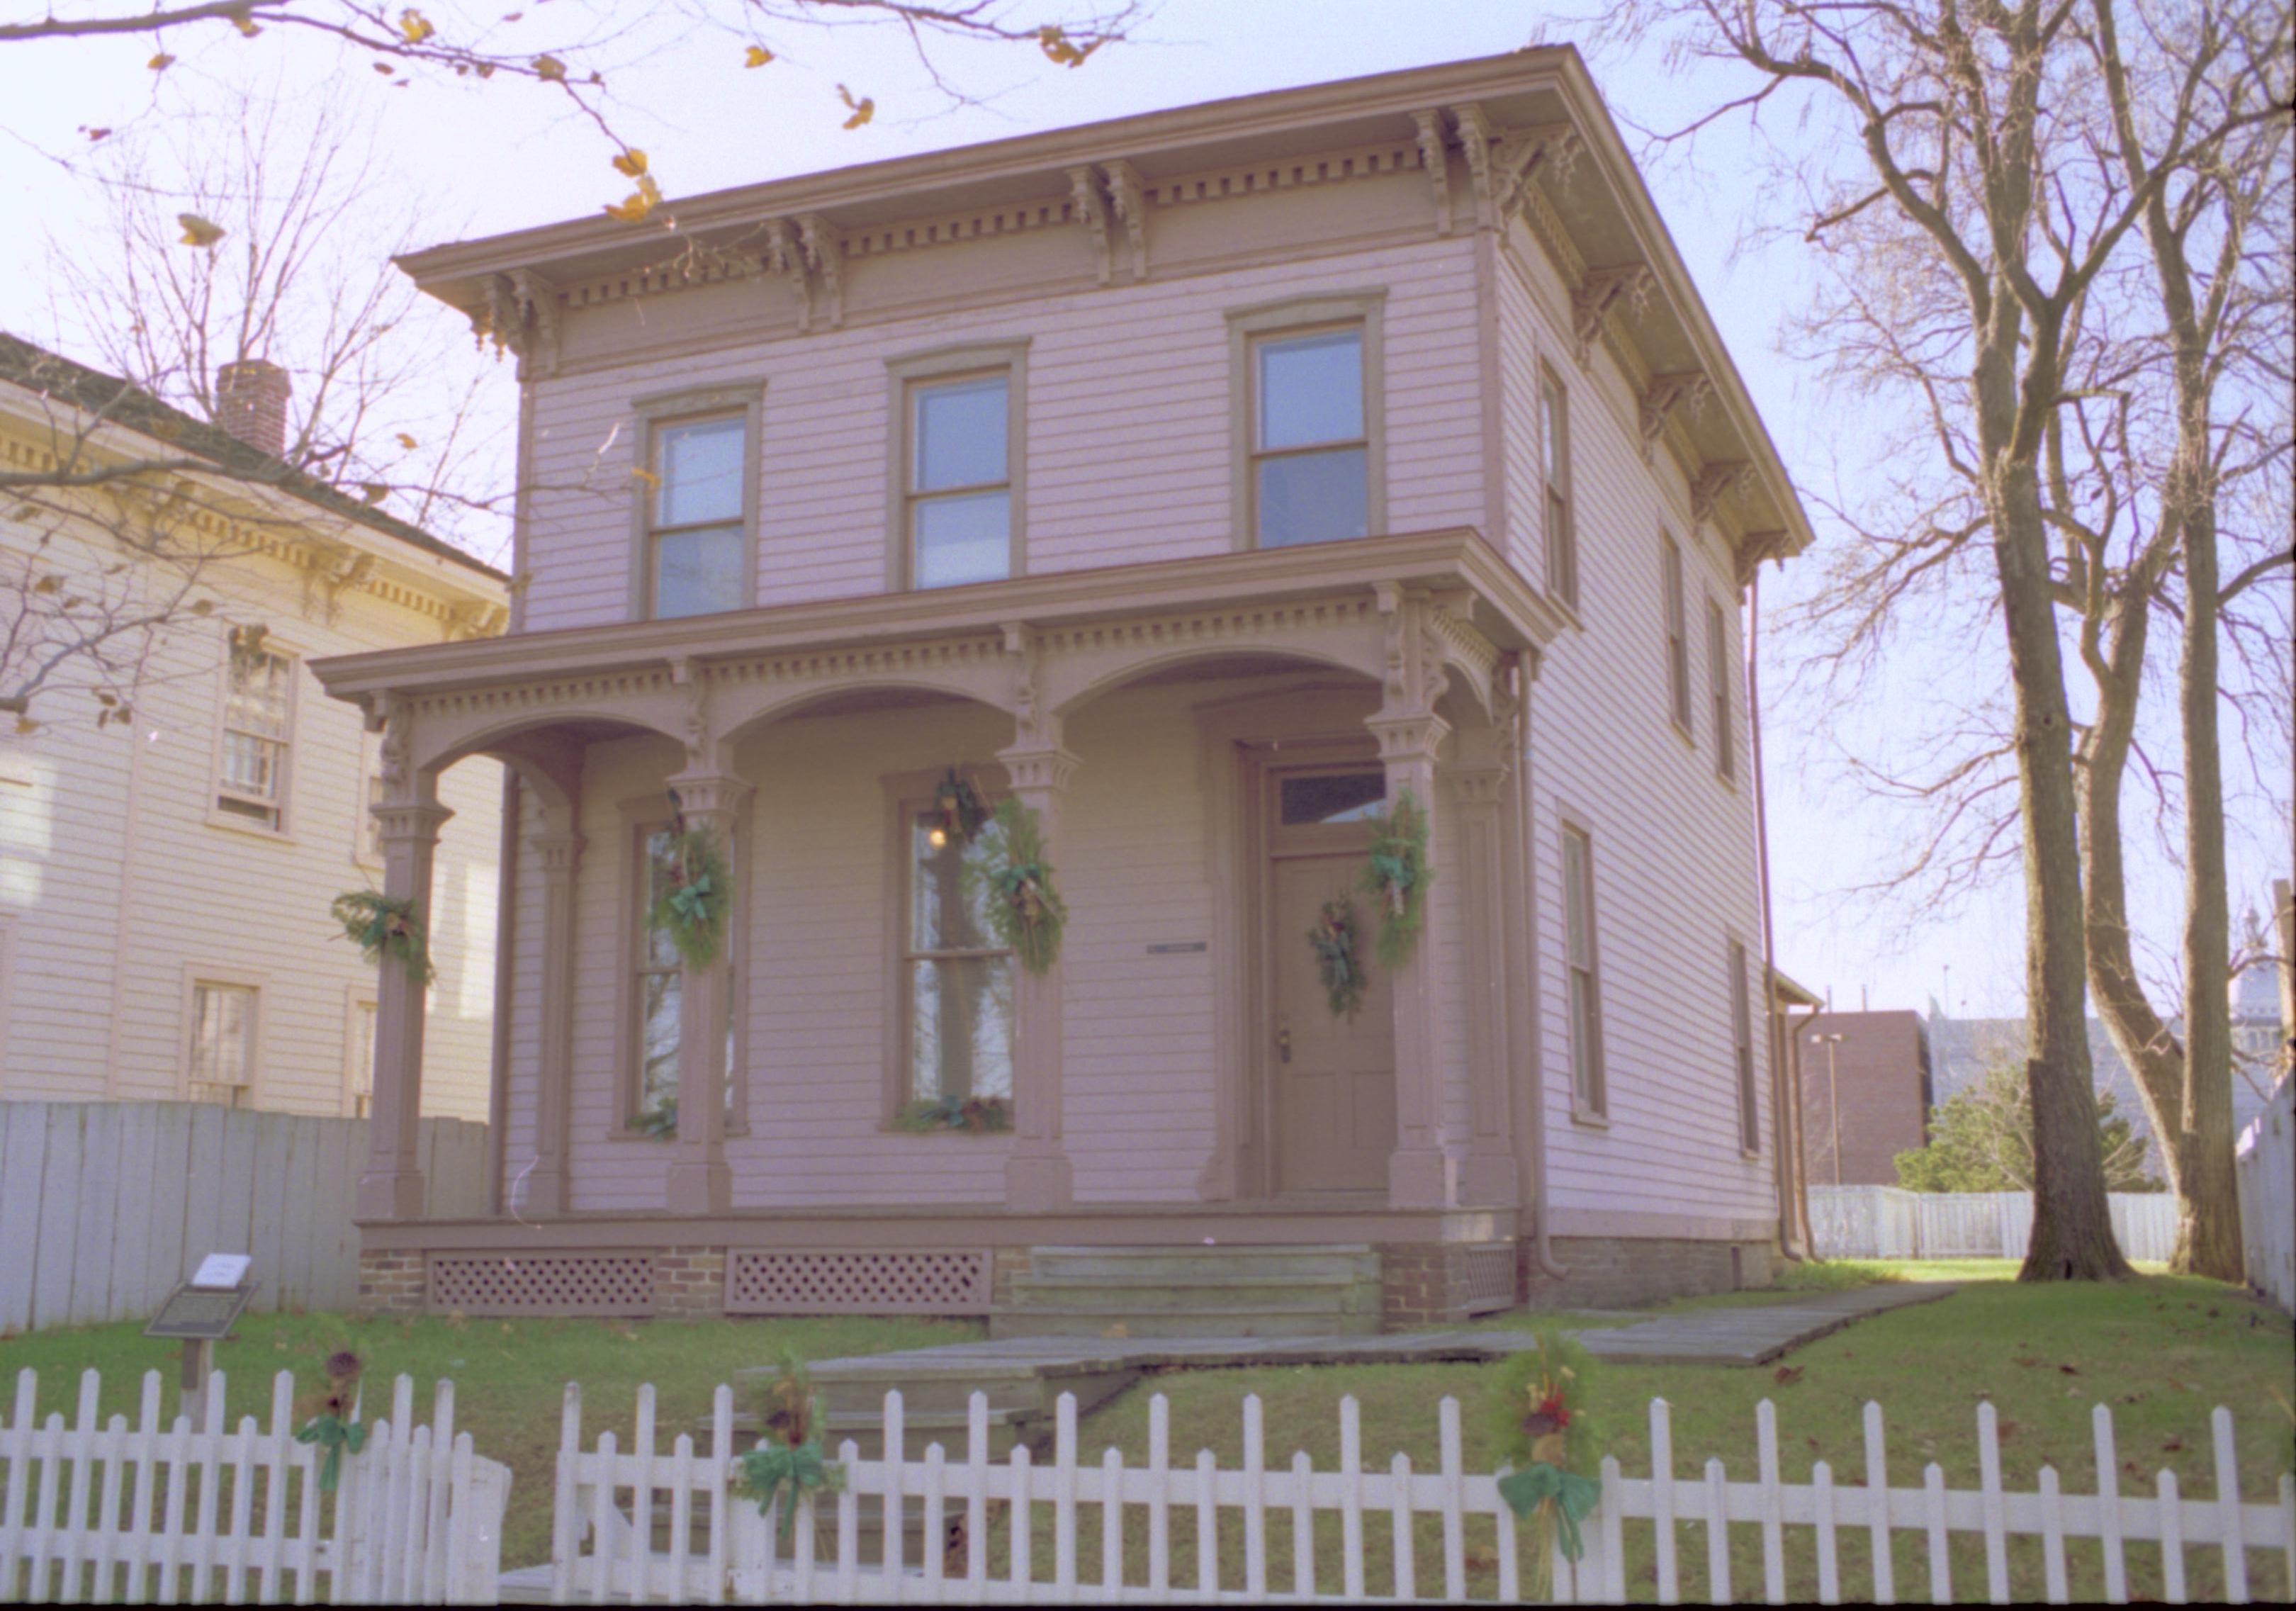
(2265,1170)
(626,1522)
(1886,1222)
(102,1514)
(110,1204)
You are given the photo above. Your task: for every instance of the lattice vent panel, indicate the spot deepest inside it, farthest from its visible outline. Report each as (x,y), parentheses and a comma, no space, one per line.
(1490,1277)
(601,1284)
(858,1283)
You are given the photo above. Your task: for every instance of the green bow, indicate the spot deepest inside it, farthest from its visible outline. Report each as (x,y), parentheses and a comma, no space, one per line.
(804,1468)
(1574,1498)
(691,901)
(334,1434)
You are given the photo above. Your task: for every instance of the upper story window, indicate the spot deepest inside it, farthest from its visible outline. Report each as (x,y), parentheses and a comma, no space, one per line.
(1678,633)
(258,716)
(1719,679)
(960,480)
(698,546)
(1309,424)
(1561,528)
(1311,452)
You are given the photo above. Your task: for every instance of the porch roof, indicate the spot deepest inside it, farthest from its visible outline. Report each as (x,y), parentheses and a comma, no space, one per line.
(1455,563)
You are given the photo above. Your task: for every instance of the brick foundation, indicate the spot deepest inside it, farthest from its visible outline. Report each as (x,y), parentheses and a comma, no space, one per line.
(392,1282)
(1622,1272)
(689,1282)
(1421,1284)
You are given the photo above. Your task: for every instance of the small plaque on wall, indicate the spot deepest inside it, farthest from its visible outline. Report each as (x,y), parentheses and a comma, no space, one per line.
(1176,948)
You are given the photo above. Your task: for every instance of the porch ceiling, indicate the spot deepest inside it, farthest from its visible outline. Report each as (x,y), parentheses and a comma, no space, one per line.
(1455,564)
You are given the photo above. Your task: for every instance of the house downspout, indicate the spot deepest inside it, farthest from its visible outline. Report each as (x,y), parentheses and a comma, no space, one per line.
(1790,1181)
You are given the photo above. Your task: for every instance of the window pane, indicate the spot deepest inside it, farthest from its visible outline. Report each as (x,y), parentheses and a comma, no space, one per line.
(948,910)
(1576,915)
(701,471)
(1582,1038)
(960,435)
(654,942)
(1355,797)
(658,1021)
(1554,427)
(962,1031)
(256,702)
(250,765)
(1313,498)
(697,572)
(964,540)
(1311,390)
(221,1039)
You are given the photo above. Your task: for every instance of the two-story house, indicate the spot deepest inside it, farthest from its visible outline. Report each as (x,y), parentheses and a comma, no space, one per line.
(169,844)
(1212,482)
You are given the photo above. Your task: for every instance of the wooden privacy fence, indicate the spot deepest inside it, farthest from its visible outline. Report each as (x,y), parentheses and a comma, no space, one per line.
(110,1204)
(2264,1169)
(1886,1222)
(104,1514)
(643,1526)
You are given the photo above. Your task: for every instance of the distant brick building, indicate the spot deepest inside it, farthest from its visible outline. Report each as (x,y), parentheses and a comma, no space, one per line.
(1879,1071)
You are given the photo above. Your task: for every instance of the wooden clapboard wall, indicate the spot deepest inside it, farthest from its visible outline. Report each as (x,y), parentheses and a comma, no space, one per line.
(106,1205)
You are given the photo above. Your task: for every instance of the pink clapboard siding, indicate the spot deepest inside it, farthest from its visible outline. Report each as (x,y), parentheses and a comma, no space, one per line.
(1128,431)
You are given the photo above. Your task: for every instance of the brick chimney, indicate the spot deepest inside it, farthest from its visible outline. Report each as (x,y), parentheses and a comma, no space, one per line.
(251,403)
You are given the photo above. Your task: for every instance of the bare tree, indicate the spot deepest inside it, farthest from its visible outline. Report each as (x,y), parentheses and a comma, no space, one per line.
(1963,227)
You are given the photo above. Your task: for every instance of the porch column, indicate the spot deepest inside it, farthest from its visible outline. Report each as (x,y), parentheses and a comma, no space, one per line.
(1485,883)
(1423,1170)
(560,851)
(390,1188)
(698,1182)
(1038,1176)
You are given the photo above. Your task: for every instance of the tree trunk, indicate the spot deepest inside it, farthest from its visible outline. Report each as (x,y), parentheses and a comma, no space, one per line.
(2072,1222)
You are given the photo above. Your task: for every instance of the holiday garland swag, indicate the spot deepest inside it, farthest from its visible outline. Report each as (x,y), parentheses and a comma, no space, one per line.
(1539,1427)
(696,892)
(384,926)
(789,1456)
(1398,873)
(1339,956)
(1025,912)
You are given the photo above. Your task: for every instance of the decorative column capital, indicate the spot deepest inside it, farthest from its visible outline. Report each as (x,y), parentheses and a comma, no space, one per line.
(1406,738)
(561,850)
(709,796)
(1036,770)
(410,821)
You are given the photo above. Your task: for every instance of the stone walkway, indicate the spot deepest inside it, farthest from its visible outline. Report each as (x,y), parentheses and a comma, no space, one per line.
(1753,1334)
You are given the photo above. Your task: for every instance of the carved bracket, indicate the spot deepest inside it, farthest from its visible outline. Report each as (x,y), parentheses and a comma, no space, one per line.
(1130,197)
(520,315)
(1688,391)
(1090,212)
(1435,156)
(781,258)
(824,260)
(1592,301)
(1753,548)
(1712,482)
(1476,139)
(1527,152)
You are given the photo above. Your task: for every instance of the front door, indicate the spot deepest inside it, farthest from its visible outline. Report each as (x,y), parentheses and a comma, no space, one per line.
(1333,1086)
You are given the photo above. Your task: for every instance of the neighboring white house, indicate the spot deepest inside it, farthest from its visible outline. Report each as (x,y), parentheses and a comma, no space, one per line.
(165,879)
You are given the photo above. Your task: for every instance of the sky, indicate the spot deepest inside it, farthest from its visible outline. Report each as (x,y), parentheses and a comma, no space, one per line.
(476,159)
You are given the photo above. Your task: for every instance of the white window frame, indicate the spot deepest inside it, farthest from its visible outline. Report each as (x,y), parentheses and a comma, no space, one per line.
(1724,696)
(282,797)
(360,1004)
(196,977)
(650,417)
(1247,328)
(1589,1075)
(906,376)
(1675,599)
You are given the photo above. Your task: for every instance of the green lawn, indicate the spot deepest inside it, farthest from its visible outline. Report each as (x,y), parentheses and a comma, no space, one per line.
(2160,1350)
(509,1375)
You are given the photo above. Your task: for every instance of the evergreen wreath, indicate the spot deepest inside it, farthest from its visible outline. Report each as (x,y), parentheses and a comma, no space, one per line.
(691,909)
(790,1454)
(1398,873)
(976,1115)
(384,925)
(1339,955)
(962,814)
(1025,912)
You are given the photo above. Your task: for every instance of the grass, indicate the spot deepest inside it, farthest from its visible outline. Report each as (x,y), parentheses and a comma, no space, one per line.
(2162,1351)
(509,1375)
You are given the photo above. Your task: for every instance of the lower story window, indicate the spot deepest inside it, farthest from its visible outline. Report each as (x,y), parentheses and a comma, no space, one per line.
(360,1055)
(658,988)
(957,979)
(223,1042)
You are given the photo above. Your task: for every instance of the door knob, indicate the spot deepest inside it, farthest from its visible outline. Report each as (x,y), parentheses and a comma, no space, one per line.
(1283,1044)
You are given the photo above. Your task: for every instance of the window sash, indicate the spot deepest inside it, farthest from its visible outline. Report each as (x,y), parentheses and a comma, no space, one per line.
(1341,463)
(1677,639)
(709,595)
(1718,671)
(1742,1029)
(959,1043)
(1585,1002)
(1561,539)
(223,1034)
(952,556)
(257,720)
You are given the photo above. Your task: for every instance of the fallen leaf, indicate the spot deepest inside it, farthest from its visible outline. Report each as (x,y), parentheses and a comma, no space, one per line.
(161,62)
(1786,1375)
(863,109)
(647,476)
(25,726)
(94,134)
(632,161)
(757,55)
(199,231)
(550,69)
(385,69)
(415,26)
(407,442)
(246,24)
(1054,40)
(2070,1369)
(373,492)
(2172,1445)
